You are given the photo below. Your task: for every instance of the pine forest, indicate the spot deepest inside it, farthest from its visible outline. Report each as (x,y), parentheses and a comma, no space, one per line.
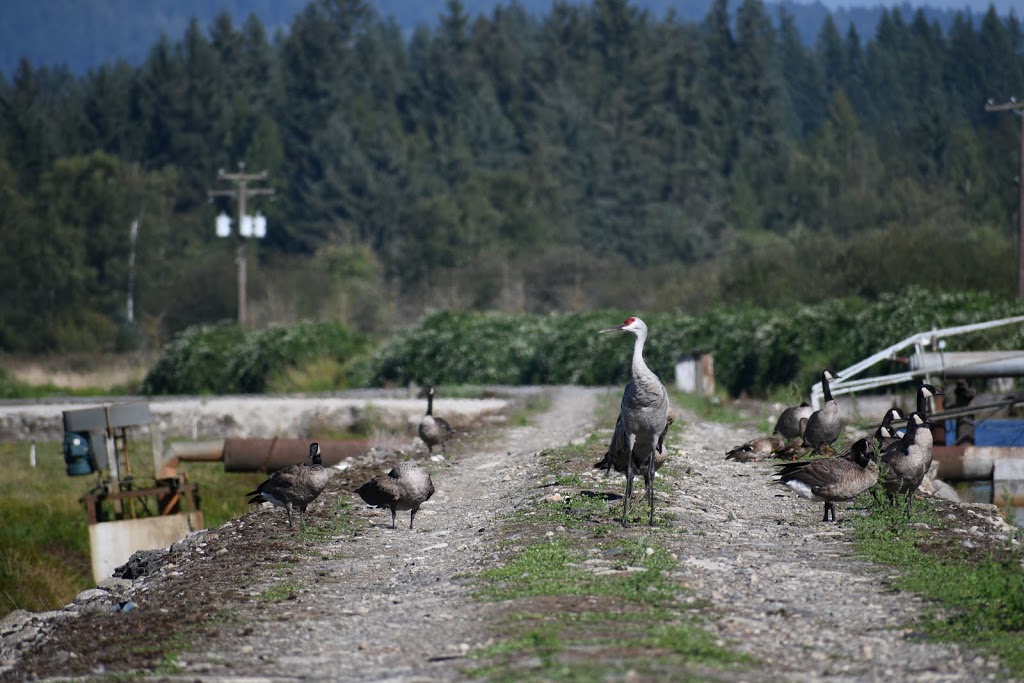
(593,157)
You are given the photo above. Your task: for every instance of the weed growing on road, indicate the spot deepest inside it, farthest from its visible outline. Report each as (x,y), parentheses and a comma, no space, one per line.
(593,601)
(979,598)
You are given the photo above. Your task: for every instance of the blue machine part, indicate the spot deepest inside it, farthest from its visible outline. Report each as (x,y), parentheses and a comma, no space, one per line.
(78,455)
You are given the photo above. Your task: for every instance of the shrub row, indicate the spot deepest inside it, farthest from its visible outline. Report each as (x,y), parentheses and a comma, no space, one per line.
(755,350)
(224,359)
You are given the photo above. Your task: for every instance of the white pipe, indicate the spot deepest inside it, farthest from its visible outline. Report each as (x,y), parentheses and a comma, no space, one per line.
(189,451)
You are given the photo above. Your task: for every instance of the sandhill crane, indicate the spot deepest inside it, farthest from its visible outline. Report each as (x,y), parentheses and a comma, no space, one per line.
(405,487)
(823,425)
(792,421)
(644,417)
(434,431)
(294,487)
(832,479)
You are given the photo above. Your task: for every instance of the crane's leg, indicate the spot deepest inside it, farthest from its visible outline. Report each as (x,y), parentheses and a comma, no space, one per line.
(649,481)
(630,442)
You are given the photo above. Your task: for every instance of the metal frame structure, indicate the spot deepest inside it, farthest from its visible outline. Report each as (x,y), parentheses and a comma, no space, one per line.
(846,384)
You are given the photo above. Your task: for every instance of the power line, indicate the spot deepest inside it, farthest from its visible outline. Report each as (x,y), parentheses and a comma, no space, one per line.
(242,192)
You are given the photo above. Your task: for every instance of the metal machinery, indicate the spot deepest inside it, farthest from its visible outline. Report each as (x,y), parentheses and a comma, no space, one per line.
(123,516)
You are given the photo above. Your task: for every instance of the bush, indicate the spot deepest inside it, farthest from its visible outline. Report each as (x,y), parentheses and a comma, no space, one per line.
(756,350)
(225,359)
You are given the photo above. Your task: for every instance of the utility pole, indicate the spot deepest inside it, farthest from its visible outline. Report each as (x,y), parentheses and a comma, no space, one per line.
(1018,109)
(242,192)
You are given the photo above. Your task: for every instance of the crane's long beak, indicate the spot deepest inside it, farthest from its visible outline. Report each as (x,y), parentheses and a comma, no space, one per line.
(611,329)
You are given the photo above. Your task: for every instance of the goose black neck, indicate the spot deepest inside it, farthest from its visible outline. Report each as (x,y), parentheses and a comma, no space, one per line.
(825,390)
(430,403)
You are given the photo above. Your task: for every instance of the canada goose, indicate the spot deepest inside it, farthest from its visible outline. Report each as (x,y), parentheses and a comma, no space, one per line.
(832,479)
(823,425)
(434,431)
(405,487)
(793,449)
(791,422)
(294,486)
(755,450)
(643,413)
(925,392)
(906,463)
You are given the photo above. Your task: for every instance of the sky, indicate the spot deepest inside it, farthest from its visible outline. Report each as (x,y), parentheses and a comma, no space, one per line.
(980,6)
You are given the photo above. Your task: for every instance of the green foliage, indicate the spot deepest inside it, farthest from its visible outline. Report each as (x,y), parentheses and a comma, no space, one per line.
(196,361)
(755,350)
(224,359)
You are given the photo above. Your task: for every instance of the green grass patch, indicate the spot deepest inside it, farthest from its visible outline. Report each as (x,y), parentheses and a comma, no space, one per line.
(595,601)
(44,538)
(286,589)
(978,604)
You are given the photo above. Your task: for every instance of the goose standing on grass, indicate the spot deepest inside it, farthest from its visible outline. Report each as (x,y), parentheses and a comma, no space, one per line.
(644,418)
(434,431)
(792,421)
(405,487)
(294,487)
(906,463)
(823,425)
(832,479)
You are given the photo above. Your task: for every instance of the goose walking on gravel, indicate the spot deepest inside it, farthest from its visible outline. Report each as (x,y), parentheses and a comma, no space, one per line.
(792,421)
(831,480)
(434,431)
(294,487)
(405,487)
(906,463)
(643,415)
(823,425)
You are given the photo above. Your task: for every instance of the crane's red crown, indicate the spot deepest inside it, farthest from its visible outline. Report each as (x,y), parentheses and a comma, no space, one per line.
(629,321)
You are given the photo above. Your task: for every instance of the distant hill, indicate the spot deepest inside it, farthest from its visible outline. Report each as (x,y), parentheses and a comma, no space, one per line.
(82,34)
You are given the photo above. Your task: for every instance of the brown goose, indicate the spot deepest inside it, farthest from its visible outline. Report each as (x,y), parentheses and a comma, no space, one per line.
(755,450)
(906,463)
(405,487)
(823,425)
(294,487)
(434,431)
(832,479)
(791,422)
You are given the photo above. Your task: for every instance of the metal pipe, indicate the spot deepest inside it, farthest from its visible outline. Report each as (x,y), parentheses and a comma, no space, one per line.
(971,463)
(269,455)
(189,451)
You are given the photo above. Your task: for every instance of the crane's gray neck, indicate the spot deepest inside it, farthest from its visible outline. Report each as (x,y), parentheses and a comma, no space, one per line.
(639,368)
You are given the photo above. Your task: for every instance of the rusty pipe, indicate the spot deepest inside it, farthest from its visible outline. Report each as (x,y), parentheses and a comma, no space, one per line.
(269,455)
(971,463)
(189,451)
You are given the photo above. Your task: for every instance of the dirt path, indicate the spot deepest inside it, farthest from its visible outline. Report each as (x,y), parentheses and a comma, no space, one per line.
(393,604)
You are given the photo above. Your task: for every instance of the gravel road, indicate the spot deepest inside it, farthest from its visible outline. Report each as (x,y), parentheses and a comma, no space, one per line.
(393,604)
